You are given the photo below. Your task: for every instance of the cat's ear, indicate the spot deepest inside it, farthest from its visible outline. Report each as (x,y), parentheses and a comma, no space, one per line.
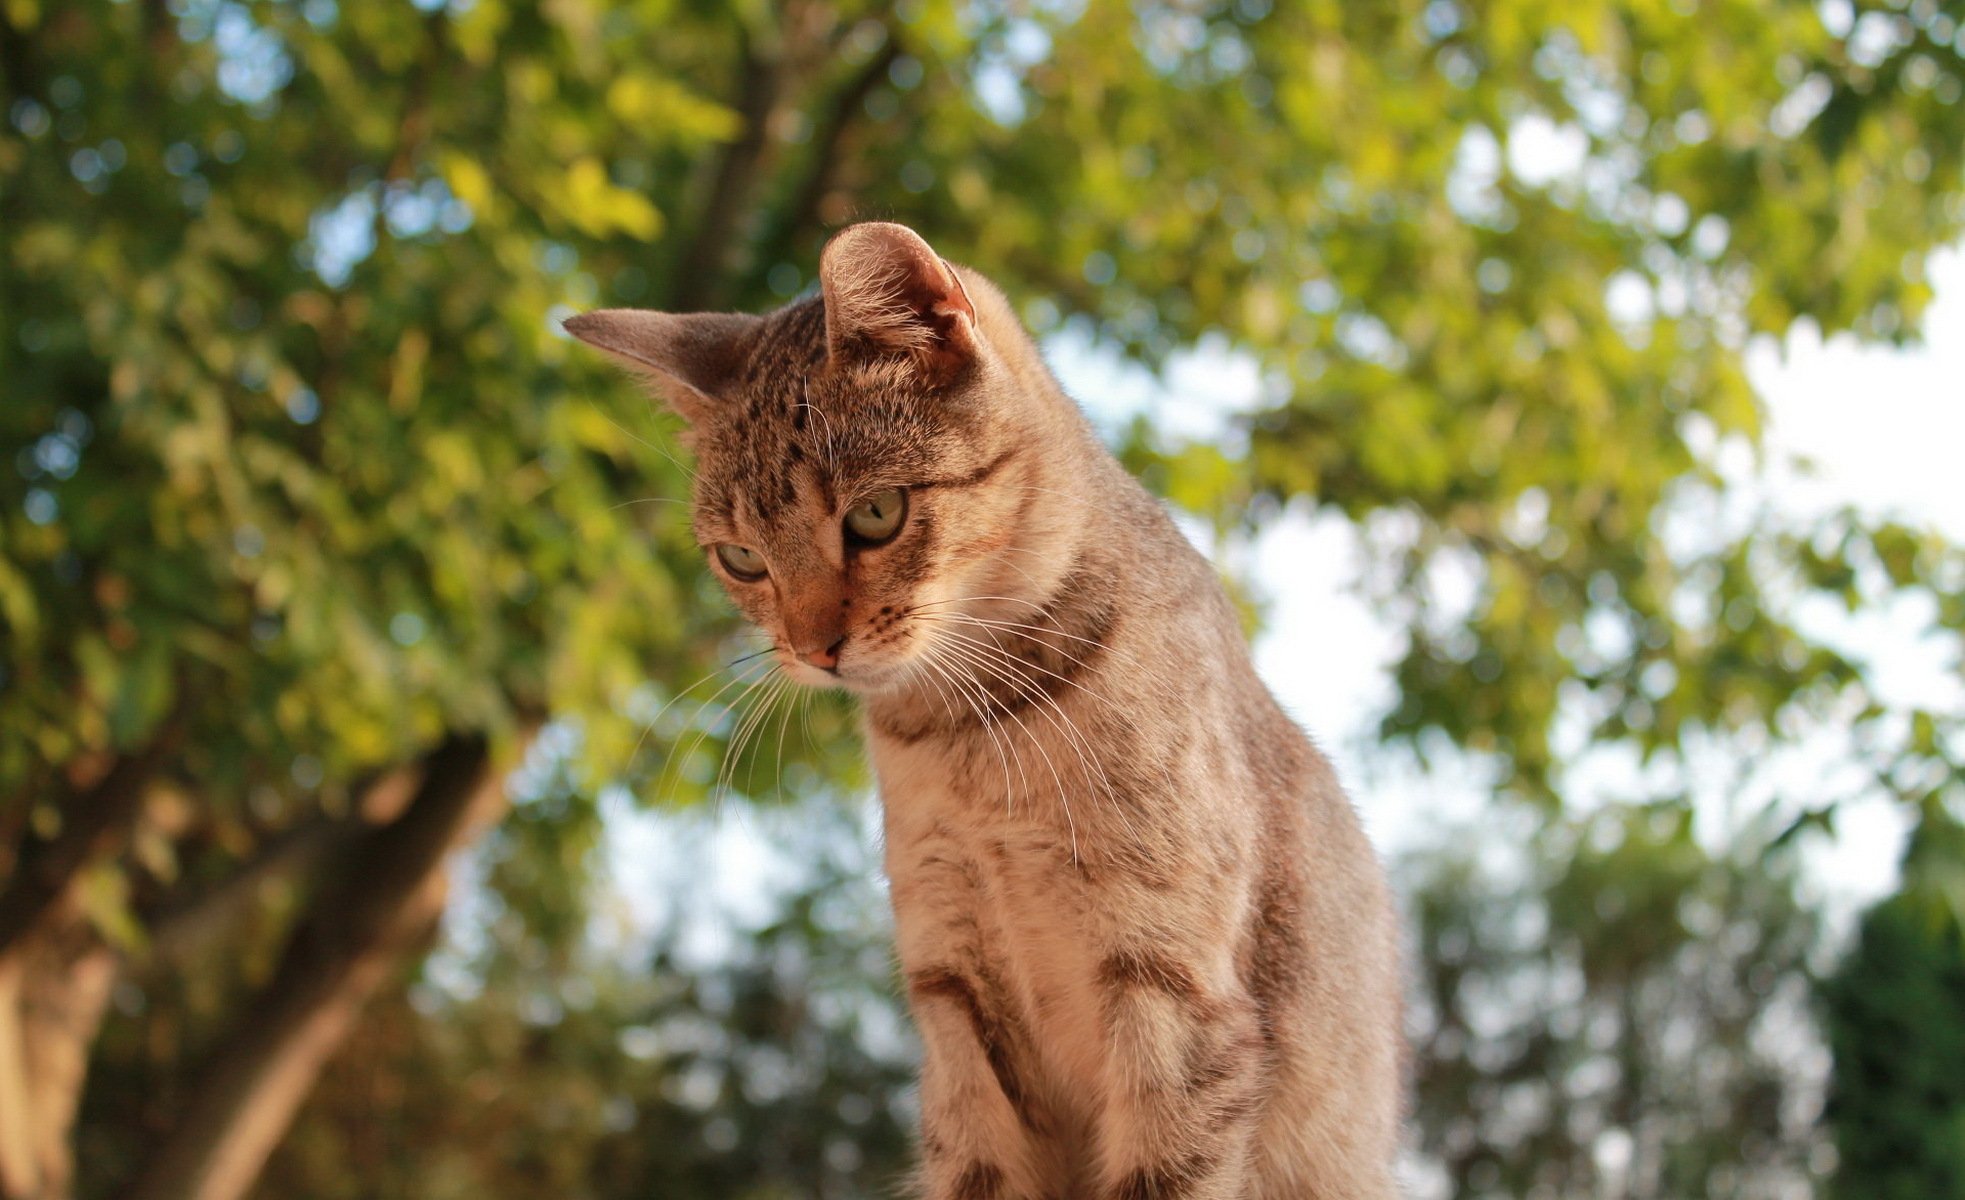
(690,358)
(888,293)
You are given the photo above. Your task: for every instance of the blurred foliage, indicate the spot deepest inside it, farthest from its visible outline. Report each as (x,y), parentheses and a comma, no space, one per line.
(1898,1100)
(299,475)
(1616,1012)
(775,1067)
(296,449)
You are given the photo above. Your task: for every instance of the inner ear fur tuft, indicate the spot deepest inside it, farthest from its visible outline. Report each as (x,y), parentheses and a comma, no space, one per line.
(888,293)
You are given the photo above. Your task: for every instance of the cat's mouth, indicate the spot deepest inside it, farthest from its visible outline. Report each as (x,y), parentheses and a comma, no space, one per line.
(853,672)
(879,655)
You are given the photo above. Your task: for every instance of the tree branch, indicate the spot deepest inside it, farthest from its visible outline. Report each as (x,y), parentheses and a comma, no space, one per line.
(701,278)
(386,894)
(180,927)
(91,824)
(800,218)
(189,923)
(52,996)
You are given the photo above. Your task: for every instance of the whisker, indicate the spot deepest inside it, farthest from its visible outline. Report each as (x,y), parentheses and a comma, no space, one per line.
(979,663)
(784,724)
(647,500)
(804,725)
(679,464)
(1047,705)
(676,754)
(1035,586)
(780,703)
(1032,487)
(805,401)
(997,623)
(966,599)
(805,718)
(947,619)
(754,717)
(933,659)
(655,720)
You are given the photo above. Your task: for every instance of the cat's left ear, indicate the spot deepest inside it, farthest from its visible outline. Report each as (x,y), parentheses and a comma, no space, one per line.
(888,293)
(690,358)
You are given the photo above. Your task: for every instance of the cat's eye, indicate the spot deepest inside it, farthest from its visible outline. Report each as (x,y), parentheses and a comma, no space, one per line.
(741,561)
(877,518)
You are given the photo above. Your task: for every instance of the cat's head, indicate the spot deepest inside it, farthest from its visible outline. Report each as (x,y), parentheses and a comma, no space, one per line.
(871,461)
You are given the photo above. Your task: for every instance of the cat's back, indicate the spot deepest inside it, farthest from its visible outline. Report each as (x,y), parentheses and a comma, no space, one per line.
(1318,947)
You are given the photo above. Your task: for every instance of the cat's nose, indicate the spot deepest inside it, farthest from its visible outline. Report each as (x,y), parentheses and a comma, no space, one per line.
(826,659)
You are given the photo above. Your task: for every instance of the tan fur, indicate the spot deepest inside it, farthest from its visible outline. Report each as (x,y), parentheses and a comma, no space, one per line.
(1148,947)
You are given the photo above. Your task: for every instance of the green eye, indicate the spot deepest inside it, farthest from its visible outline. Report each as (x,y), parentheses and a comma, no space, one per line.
(877,518)
(741,561)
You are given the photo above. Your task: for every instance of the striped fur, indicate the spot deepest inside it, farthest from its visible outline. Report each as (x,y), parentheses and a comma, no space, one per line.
(1149,950)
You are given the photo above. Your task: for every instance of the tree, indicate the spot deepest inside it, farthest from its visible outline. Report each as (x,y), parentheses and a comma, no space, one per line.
(1898,1100)
(312,519)
(1618,1013)
(618,1063)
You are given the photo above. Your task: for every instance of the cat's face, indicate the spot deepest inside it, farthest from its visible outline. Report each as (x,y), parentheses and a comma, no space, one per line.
(859,491)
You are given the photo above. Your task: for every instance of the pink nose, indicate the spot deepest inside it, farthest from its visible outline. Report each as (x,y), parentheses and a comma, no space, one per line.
(826,659)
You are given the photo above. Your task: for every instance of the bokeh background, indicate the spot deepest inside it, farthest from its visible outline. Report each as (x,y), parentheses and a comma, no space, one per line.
(1570,390)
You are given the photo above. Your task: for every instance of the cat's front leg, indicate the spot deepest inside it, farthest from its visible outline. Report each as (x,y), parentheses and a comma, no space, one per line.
(977,1112)
(1185,1081)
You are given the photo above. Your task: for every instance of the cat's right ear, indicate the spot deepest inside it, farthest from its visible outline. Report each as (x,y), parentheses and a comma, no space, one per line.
(689,358)
(887,293)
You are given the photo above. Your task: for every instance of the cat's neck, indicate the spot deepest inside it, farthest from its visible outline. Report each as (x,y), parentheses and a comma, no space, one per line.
(1104,563)
(1008,660)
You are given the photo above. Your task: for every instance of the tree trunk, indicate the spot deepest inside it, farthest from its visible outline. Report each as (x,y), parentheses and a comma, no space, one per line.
(93,822)
(55,972)
(803,216)
(54,985)
(386,894)
(705,268)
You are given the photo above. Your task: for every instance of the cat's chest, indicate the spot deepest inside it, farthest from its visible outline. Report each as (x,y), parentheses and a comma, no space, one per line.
(1044,858)
(977,856)
(986,875)
(1002,886)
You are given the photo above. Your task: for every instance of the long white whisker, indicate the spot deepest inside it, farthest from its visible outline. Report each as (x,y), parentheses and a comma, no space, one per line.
(754,717)
(977,701)
(979,663)
(647,500)
(805,401)
(679,464)
(655,720)
(1053,711)
(1035,586)
(785,706)
(1026,628)
(805,718)
(678,756)
(1025,600)
(1032,487)
(950,618)
(933,660)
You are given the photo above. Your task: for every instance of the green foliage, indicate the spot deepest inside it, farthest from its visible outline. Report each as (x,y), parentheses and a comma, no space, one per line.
(1622,1013)
(1898,1101)
(298,470)
(305,460)
(302,454)
(614,1066)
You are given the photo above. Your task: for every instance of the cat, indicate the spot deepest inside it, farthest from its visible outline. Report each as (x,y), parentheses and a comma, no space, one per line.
(1149,950)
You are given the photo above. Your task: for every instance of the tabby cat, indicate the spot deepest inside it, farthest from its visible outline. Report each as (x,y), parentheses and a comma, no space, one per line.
(1147,945)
